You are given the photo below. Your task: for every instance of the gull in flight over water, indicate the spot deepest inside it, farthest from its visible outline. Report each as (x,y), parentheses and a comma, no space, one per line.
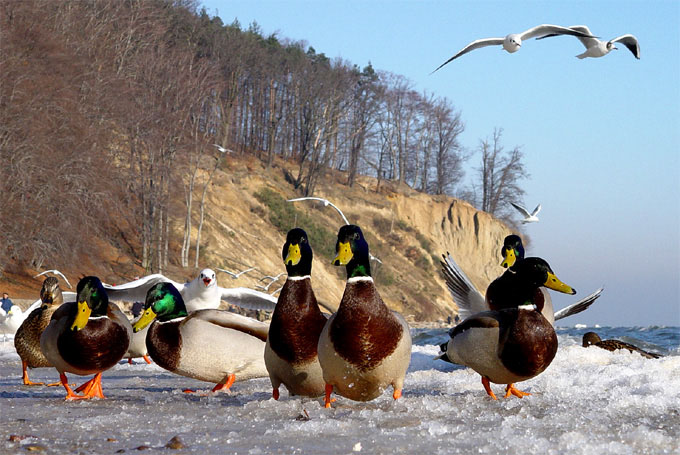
(56,272)
(598,48)
(236,275)
(528,217)
(512,42)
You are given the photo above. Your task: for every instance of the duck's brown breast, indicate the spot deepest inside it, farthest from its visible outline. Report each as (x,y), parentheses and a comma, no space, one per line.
(364,330)
(98,346)
(164,343)
(296,323)
(528,342)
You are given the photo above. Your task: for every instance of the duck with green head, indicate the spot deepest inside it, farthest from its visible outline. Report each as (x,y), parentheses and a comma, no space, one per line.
(470,301)
(364,347)
(86,337)
(27,338)
(291,350)
(209,345)
(514,343)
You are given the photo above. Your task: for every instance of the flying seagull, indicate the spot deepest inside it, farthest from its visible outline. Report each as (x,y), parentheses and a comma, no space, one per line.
(326,203)
(236,275)
(528,217)
(598,48)
(273,278)
(56,272)
(222,149)
(513,41)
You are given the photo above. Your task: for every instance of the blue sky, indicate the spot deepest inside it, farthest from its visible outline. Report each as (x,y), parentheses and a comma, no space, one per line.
(601,137)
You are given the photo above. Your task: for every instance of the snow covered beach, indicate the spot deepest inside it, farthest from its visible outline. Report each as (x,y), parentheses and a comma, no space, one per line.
(588,401)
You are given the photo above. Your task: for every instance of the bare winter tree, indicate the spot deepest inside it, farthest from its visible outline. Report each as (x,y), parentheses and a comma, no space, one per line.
(499,175)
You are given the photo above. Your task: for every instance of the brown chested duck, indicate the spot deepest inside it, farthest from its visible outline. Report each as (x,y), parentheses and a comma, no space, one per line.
(470,301)
(208,345)
(515,343)
(291,350)
(593,339)
(364,347)
(86,337)
(27,338)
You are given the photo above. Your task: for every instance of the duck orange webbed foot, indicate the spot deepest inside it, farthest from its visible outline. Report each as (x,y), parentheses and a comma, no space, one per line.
(487,387)
(512,390)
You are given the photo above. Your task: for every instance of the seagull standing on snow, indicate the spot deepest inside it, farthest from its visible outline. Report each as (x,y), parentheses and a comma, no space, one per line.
(513,41)
(528,217)
(598,48)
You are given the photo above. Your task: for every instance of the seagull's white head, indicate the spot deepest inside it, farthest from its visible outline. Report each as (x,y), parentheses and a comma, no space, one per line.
(512,43)
(611,46)
(208,277)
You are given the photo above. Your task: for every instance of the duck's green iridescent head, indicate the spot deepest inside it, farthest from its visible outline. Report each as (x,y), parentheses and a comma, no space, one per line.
(537,272)
(163,302)
(512,250)
(92,301)
(352,251)
(297,253)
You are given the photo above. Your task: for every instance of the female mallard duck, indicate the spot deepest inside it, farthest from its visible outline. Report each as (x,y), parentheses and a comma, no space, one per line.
(87,337)
(291,350)
(364,347)
(470,301)
(208,345)
(515,343)
(27,338)
(593,339)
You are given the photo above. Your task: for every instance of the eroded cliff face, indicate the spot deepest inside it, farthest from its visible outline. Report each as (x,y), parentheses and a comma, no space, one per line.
(408,231)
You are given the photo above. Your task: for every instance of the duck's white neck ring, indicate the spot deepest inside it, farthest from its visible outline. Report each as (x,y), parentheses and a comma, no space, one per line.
(356,279)
(300,278)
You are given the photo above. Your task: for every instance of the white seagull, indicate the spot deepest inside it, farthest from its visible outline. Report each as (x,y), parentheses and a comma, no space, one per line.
(222,149)
(598,48)
(528,217)
(470,301)
(200,293)
(273,278)
(56,272)
(326,203)
(513,41)
(235,275)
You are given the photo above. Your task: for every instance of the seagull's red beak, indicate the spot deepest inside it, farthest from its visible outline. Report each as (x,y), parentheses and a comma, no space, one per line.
(206,281)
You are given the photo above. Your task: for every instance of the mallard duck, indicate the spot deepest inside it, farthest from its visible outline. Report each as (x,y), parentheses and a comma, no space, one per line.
(593,339)
(87,337)
(515,343)
(27,338)
(208,345)
(201,293)
(291,350)
(364,347)
(470,301)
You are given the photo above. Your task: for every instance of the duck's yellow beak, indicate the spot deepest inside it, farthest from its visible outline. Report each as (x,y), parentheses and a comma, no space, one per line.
(344,254)
(510,258)
(554,283)
(293,256)
(82,316)
(147,318)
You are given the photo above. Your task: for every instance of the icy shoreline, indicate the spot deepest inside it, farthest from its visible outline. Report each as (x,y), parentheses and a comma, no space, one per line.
(588,401)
